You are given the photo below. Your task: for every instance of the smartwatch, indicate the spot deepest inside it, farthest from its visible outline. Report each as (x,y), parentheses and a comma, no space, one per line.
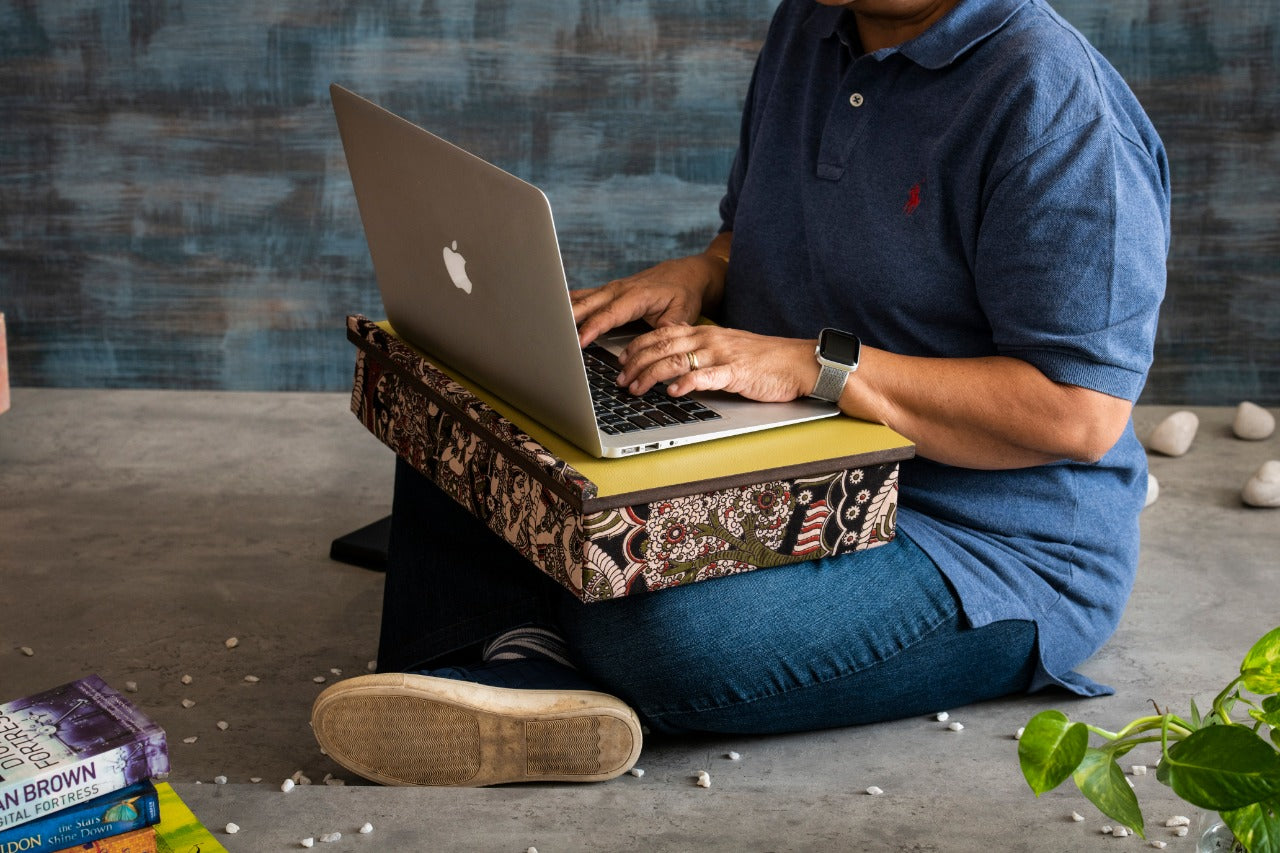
(837,353)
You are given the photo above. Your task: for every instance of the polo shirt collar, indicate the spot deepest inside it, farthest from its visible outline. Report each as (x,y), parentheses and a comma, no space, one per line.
(968,23)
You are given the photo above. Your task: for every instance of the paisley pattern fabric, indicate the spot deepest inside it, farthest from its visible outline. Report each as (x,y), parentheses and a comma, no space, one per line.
(535,501)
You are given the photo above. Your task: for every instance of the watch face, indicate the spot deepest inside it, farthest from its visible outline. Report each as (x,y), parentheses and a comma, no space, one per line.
(839,347)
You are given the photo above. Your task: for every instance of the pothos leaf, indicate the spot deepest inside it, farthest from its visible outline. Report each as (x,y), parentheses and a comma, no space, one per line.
(1261,665)
(1100,779)
(1256,826)
(1050,749)
(1221,768)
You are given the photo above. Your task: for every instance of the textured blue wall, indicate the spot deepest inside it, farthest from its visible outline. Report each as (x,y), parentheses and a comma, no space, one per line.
(175,210)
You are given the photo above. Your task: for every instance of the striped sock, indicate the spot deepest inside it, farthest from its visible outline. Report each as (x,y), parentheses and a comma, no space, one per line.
(528,642)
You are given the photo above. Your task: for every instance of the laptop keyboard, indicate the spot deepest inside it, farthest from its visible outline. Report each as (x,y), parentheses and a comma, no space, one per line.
(618,411)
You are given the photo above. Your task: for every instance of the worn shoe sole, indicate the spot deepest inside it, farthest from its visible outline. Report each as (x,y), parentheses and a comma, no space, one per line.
(404,729)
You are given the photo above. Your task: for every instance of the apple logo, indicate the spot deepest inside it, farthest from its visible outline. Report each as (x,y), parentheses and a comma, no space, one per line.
(457,267)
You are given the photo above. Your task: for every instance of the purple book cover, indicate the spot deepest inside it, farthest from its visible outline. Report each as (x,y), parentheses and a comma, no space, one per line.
(71,743)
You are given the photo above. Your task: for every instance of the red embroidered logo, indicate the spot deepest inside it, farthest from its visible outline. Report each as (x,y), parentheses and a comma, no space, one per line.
(913,201)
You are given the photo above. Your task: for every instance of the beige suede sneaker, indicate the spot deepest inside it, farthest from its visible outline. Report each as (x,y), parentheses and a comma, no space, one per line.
(404,729)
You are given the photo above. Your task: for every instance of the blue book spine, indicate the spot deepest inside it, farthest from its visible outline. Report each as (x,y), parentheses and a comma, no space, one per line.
(110,814)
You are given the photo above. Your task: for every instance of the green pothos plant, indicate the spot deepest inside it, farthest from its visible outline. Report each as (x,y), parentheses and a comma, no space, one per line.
(1213,761)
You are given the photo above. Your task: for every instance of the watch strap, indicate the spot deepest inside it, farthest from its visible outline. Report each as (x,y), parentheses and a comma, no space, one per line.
(830,383)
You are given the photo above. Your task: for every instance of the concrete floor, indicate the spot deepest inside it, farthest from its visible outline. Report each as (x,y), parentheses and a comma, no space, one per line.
(140,529)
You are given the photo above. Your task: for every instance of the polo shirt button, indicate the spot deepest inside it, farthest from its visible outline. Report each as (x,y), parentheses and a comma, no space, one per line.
(855,100)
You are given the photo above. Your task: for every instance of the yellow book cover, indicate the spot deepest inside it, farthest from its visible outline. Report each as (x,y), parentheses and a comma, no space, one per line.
(179,830)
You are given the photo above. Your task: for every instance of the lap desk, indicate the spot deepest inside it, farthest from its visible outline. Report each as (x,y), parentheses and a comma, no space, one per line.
(610,527)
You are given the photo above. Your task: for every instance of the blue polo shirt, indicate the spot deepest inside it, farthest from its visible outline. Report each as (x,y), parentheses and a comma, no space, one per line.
(991,187)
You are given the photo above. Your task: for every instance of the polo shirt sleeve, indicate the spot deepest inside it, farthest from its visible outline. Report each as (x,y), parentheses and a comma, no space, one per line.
(1070,257)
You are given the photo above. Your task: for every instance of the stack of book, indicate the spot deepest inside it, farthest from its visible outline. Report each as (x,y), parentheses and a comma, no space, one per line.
(79,770)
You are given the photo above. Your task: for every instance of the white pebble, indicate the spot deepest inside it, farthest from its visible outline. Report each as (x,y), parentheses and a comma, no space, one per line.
(131,686)
(1120,832)
(1178,820)
(875,791)
(252,679)
(366,829)
(1139,770)
(1182,831)
(188,703)
(1108,829)
(28,651)
(191,739)
(231,642)
(956,727)
(300,778)
(637,772)
(531,850)
(219,780)
(1253,423)
(308,842)
(330,837)
(319,679)
(704,779)
(232,829)
(223,725)
(335,670)
(287,785)
(333,783)
(372,666)
(1173,436)
(942,717)
(1018,734)
(1077,817)
(1153,490)
(255,779)
(732,756)
(1263,488)
(1158,844)
(186,679)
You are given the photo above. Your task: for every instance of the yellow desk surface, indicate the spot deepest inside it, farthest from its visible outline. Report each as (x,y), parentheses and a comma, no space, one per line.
(814,447)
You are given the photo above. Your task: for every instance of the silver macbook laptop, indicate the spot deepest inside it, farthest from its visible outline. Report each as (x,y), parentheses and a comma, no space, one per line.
(469,269)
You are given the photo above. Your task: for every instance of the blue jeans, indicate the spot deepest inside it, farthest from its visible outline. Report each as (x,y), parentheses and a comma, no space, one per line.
(861,638)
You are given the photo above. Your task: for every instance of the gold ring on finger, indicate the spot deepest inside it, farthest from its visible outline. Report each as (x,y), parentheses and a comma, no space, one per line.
(693,360)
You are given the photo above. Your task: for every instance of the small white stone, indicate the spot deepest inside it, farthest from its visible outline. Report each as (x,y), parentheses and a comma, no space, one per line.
(231,642)
(1253,423)
(366,829)
(255,779)
(1018,734)
(335,671)
(287,785)
(875,791)
(1158,844)
(1120,832)
(636,772)
(1263,488)
(232,829)
(1139,770)
(308,842)
(1178,820)
(956,726)
(1182,831)
(28,651)
(330,837)
(1077,817)
(1173,436)
(942,716)
(335,783)
(704,779)
(319,679)
(186,679)
(252,679)
(372,666)
(301,778)
(1108,829)
(191,739)
(732,756)
(188,703)
(131,686)
(1153,490)
(219,780)
(531,850)
(223,725)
